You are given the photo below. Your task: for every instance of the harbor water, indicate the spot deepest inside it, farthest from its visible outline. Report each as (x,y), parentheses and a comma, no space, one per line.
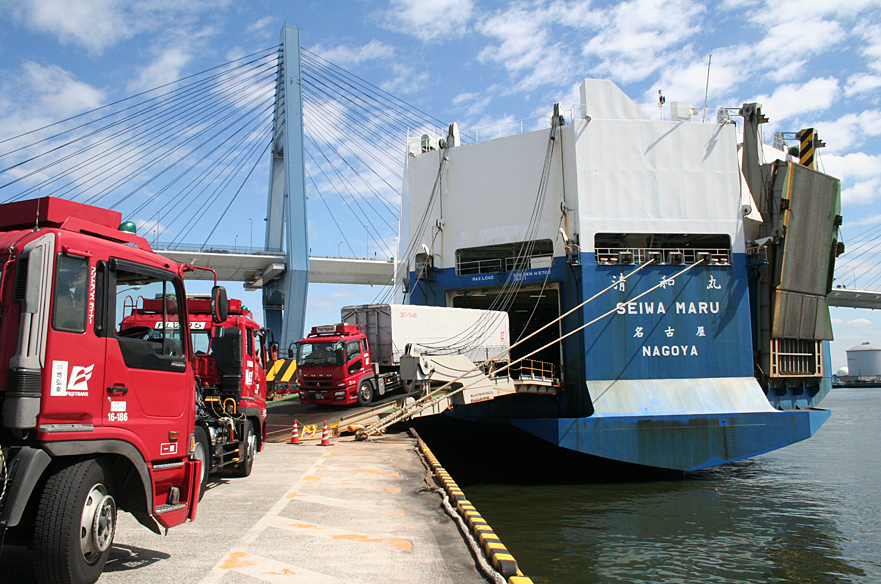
(807,513)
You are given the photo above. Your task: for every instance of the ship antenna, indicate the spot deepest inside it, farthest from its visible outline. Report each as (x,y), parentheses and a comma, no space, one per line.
(707,90)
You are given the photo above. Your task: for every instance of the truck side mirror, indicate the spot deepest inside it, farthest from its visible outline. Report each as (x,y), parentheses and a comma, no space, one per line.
(291,354)
(219,304)
(217,332)
(273,351)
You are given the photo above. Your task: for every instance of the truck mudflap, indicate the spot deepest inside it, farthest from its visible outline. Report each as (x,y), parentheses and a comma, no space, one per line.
(23,470)
(195,485)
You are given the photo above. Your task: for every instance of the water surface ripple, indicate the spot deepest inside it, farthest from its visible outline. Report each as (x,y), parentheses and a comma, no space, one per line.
(807,513)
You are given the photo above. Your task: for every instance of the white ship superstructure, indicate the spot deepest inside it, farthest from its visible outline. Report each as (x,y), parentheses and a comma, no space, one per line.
(703,344)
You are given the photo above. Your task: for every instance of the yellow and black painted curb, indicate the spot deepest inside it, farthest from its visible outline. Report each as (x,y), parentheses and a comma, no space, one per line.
(494,550)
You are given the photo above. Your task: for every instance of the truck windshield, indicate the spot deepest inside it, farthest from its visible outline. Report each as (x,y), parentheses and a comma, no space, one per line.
(327,353)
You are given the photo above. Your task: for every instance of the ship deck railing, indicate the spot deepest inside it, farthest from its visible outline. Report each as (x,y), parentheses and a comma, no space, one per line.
(526,370)
(674,256)
(509,264)
(672,111)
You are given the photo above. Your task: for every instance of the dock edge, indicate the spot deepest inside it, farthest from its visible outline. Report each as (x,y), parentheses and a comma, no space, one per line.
(493,549)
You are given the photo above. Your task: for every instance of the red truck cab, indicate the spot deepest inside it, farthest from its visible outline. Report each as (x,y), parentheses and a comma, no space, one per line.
(210,370)
(230,367)
(94,419)
(334,366)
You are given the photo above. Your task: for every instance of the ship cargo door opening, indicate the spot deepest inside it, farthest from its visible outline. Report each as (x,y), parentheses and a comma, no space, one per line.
(531,309)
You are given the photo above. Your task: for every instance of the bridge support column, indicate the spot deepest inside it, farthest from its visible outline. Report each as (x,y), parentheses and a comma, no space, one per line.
(284,300)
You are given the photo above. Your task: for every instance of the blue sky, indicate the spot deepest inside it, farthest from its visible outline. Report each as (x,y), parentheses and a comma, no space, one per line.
(810,63)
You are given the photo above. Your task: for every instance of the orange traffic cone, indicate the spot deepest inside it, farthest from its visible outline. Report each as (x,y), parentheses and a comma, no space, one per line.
(325,436)
(295,434)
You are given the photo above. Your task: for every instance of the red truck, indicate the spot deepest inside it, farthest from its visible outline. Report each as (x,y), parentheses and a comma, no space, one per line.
(334,367)
(95,418)
(340,364)
(230,361)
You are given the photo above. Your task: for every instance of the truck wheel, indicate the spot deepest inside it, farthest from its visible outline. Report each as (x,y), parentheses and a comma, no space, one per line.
(365,393)
(75,524)
(202,451)
(247,451)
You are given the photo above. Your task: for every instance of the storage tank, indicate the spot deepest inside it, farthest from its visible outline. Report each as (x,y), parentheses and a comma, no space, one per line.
(864,361)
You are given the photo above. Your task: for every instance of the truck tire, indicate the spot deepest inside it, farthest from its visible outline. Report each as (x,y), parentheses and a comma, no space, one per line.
(365,393)
(75,524)
(247,451)
(202,451)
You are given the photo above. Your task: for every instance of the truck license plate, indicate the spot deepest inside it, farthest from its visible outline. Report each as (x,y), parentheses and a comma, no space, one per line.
(319,396)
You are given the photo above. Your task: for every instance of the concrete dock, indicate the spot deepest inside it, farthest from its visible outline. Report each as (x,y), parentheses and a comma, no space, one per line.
(351,512)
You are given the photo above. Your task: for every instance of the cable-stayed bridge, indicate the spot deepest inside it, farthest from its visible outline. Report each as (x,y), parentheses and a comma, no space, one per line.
(190,162)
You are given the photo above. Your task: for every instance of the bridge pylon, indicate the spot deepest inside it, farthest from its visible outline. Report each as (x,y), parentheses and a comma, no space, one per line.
(284,299)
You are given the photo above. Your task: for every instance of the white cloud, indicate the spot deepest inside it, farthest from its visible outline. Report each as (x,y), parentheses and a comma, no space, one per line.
(406,80)
(94,24)
(348,56)
(860,170)
(862,193)
(791,39)
(853,322)
(164,69)
(55,93)
(790,100)
(787,71)
(866,221)
(99,24)
(524,41)
(472,105)
(871,34)
(856,165)
(429,19)
(850,130)
(861,83)
(150,228)
(640,37)
(260,25)
(629,41)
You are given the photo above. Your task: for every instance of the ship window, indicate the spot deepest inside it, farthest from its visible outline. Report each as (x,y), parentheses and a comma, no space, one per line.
(664,248)
(523,255)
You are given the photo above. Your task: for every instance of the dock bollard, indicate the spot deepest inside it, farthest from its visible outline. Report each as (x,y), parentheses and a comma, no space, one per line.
(295,434)
(325,436)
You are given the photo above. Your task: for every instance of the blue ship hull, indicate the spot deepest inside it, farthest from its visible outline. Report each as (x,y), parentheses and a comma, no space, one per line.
(671,390)
(679,442)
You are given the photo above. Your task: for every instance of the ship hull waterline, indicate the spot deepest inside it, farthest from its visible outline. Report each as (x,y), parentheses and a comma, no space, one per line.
(675,442)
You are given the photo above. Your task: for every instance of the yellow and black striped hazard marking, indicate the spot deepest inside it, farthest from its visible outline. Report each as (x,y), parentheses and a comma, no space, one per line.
(806,147)
(282,370)
(493,548)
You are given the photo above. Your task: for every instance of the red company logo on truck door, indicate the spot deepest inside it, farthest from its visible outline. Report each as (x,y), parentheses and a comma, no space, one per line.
(75,385)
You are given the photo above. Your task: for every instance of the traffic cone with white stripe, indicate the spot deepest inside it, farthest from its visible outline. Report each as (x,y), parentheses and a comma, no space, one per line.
(325,436)
(295,434)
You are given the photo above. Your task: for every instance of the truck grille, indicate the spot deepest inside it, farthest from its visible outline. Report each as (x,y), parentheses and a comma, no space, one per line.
(317,382)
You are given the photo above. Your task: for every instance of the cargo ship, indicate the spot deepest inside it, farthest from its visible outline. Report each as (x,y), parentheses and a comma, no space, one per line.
(683,263)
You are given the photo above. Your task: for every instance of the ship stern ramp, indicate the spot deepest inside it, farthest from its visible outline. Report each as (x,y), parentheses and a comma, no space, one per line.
(678,424)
